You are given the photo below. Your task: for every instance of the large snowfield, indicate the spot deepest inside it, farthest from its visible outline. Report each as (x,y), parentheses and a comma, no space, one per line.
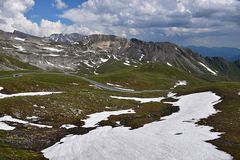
(175,137)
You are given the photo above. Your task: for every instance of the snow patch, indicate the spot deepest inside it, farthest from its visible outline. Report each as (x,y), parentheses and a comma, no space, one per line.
(214,73)
(68,126)
(32,118)
(95,73)
(19,39)
(2,96)
(169,64)
(86,63)
(20,48)
(98,117)
(89,51)
(66,67)
(171,95)
(114,57)
(103,60)
(7,118)
(36,106)
(75,43)
(53,49)
(180,83)
(49,63)
(141,100)
(118,122)
(53,55)
(6,127)
(140,59)
(127,64)
(6,48)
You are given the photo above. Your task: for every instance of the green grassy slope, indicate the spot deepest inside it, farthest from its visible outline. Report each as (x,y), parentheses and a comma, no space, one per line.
(79,99)
(11,62)
(148,76)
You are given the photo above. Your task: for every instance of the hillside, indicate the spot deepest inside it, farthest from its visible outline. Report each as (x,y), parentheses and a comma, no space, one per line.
(95,53)
(59,92)
(8,63)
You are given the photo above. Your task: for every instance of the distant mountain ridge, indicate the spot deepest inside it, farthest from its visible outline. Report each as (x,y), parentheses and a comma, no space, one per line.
(231,54)
(96,54)
(67,38)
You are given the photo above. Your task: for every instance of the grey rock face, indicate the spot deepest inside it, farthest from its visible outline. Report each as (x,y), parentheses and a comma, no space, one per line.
(75,52)
(67,38)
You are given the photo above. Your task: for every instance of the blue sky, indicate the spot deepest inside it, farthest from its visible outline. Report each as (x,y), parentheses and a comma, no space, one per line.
(44,9)
(213,23)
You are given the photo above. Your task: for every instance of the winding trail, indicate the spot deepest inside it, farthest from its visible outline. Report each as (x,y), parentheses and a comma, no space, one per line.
(97,84)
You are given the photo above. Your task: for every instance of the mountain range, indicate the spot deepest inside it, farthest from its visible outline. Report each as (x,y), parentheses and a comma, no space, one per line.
(65,86)
(96,54)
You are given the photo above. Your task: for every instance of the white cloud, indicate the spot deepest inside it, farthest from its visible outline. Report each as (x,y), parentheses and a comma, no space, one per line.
(167,19)
(60,4)
(12,14)
(156,20)
(12,17)
(12,8)
(47,28)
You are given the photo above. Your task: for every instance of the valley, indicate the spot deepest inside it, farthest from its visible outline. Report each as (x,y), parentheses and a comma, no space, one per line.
(62,100)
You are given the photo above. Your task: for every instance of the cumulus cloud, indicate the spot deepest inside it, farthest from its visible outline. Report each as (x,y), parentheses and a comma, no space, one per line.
(60,4)
(48,27)
(158,19)
(12,17)
(181,21)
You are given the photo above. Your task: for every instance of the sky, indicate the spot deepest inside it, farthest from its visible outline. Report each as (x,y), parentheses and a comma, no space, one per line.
(212,23)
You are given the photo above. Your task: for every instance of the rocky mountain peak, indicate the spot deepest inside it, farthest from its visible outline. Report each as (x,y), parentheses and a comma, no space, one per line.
(67,38)
(22,34)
